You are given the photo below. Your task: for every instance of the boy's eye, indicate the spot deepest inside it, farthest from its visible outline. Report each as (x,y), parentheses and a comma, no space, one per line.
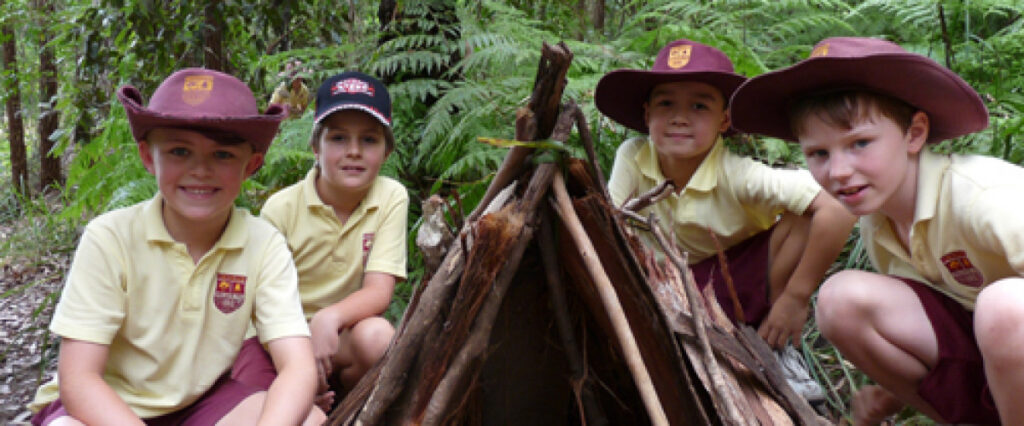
(816,154)
(861,143)
(223,155)
(699,106)
(370,139)
(178,151)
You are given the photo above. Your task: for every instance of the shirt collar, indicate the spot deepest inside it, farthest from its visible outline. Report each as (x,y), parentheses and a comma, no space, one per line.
(313,200)
(704,179)
(930,169)
(234,235)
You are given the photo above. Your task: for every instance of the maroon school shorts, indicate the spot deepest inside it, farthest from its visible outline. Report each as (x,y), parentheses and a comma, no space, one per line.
(248,374)
(956,388)
(748,267)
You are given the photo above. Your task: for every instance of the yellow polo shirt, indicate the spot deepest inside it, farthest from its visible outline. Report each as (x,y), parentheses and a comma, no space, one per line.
(172,326)
(966,231)
(736,197)
(331,257)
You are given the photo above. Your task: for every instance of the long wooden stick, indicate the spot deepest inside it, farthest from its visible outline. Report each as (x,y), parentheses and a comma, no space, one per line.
(610,300)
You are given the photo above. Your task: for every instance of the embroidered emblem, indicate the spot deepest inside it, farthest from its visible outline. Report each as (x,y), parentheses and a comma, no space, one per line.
(679,56)
(352,86)
(820,51)
(230,292)
(367,245)
(962,269)
(197,89)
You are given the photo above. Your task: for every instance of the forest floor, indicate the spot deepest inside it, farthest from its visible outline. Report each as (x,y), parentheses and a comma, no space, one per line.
(28,355)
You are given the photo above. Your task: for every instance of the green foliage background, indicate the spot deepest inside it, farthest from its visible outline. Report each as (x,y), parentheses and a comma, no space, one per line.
(457,69)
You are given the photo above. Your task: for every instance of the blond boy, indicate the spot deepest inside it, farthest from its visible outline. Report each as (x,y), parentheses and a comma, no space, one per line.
(160,294)
(937,327)
(345,225)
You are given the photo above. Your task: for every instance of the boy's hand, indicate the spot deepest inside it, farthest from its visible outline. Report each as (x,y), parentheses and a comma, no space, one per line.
(324,330)
(785,321)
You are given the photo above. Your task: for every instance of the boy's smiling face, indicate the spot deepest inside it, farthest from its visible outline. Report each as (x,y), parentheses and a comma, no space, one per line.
(684,119)
(350,152)
(198,177)
(869,167)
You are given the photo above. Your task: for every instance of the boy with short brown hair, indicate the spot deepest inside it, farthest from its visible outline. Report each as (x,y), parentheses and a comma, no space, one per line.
(160,294)
(937,327)
(346,227)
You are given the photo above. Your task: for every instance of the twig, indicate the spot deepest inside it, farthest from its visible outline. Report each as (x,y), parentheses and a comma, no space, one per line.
(610,300)
(723,263)
(588,145)
(648,198)
(697,311)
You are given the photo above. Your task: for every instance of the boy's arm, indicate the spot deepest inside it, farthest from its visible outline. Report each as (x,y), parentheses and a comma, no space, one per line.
(372,299)
(84,394)
(830,227)
(290,396)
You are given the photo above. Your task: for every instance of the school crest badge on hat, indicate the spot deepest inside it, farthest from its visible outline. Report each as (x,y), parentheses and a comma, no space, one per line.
(679,56)
(229,292)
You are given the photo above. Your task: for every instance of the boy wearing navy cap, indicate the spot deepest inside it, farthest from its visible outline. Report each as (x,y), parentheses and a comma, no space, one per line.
(160,295)
(937,327)
(346,227)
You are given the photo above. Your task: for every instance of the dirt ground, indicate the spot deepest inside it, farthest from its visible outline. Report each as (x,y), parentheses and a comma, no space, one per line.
(28,353)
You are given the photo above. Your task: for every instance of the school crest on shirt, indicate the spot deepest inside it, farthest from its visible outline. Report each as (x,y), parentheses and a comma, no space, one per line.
(679,56)
(962,268)
(229,293)
(367,245)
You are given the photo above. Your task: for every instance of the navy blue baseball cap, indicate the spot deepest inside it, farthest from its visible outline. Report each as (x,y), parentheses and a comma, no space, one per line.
(354,90)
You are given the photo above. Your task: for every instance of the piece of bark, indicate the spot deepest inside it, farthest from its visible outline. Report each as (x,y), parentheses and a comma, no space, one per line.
(519,217)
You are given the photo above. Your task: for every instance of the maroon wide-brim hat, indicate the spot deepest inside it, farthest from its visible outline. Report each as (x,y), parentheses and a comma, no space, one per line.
(762,104)
(202,99)
(621,94)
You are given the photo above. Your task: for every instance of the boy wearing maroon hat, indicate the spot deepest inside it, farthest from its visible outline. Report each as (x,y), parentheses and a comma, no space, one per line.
(762,217)
(346,227)
(937,327)
(160,294)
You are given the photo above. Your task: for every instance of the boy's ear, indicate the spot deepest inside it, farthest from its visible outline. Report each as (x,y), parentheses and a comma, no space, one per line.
(646,114)
(146,154)
(726,121)
(917,132)
(255,162)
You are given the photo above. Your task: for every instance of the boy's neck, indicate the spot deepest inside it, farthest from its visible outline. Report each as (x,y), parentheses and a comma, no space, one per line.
(342,202)
(902,205)
(680,171)
(198,237)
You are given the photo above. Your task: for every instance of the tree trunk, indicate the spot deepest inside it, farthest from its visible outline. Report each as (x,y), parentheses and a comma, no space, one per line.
(15,127)
(213,33)
(598,16)
(49,118)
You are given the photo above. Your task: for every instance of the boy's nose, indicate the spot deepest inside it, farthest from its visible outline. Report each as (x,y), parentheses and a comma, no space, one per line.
(839,167)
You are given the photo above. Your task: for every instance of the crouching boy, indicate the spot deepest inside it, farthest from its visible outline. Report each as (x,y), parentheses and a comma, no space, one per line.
(160,294)
(938,325)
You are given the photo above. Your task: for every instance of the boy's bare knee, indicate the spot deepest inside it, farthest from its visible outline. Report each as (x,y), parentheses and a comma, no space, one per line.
(246,412)
(998,313)
(371,337)
(841,302)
